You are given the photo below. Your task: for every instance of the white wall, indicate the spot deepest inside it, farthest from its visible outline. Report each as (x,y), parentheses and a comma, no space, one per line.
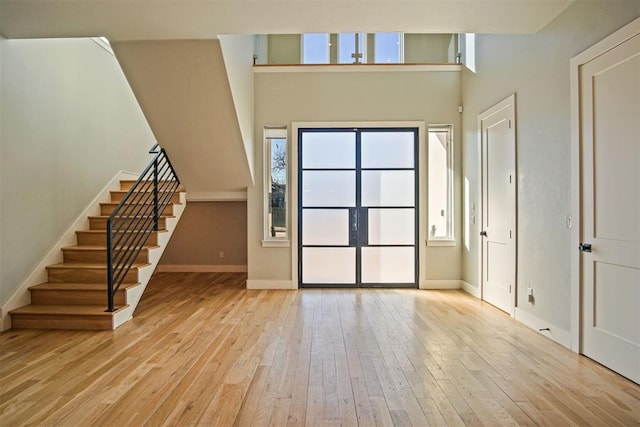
(283,98)
(69,123)
(237,51)
(536,68)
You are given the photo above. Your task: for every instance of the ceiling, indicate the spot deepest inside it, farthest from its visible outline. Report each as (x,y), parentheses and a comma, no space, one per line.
(205,19)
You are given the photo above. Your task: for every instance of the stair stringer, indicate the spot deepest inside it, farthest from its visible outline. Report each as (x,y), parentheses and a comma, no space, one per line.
(21,296)
(134,294)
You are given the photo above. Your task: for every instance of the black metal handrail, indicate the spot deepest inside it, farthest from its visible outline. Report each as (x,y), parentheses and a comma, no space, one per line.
(136,217)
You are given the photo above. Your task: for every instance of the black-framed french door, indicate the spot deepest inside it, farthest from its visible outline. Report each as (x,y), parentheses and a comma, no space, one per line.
(358,207)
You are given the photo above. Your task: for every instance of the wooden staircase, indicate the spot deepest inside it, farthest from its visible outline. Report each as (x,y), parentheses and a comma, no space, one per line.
(75,295)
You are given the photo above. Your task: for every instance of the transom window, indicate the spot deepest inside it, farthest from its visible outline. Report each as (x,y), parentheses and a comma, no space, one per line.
(388,48)
(352,48)
(315,48)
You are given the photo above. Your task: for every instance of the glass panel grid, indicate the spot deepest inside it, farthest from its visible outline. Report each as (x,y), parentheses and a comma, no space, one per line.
(383,178)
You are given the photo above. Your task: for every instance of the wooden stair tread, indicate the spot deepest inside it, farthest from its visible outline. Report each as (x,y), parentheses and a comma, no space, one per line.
(144,190)
(89,266)
(127,216)
(146,181)
(104,232)
(136,204)
(66,310)
(101,248)
(62,286)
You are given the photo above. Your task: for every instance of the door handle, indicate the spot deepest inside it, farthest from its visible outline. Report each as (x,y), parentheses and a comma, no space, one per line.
(584,247)
(483,233)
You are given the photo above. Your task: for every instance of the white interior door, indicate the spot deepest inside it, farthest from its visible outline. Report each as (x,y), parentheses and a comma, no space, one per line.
(497,127)
(610,261)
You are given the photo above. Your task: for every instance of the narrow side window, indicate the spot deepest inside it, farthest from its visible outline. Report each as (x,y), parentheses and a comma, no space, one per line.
(275,181)
(440,184)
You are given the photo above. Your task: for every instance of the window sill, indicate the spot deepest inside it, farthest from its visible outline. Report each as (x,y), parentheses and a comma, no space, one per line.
(276,243)
(441,243)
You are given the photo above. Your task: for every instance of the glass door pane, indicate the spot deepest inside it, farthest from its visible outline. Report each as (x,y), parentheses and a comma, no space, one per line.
(388,150)
(334,266)
(388,188)
(328,188)
(388,265)
(325,227)
(329,150)
(391,227)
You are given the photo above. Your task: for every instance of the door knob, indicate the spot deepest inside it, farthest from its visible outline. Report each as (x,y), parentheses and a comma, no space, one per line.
(584,247)
(483,233)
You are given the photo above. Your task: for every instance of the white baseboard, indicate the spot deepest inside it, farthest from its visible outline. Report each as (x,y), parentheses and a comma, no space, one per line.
(555,333)
(440,284)
(175,268)
(470,289)
(21,296)
(271,284)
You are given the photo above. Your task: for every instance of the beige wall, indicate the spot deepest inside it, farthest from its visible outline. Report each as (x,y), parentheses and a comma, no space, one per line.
(536,68)
(186,95)
(205,230)
(284,49)
(429,97)
(420,48)
(69,123)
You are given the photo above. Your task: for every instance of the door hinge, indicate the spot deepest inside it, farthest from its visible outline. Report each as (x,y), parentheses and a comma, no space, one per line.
(510,234)
(509,124)
(509,288)
(510,177)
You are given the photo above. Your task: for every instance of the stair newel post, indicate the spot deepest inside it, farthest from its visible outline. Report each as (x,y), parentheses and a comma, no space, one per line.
(110,307)
(155,192)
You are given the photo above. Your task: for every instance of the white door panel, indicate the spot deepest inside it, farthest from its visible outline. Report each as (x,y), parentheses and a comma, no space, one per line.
(610,273)
(497,127)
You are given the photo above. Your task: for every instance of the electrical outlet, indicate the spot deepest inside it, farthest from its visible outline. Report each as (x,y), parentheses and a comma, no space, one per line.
(530,294)
(221,254)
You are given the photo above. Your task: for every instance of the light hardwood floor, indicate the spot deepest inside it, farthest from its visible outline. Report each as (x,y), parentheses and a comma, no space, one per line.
(202,350)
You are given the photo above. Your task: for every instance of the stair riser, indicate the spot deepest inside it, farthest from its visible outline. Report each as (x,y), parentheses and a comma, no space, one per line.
(93,239)
(69,297)
(101,223)
(133,209)
(75,256)
(32,321)
(116,197)
(147,185)
(81,275)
